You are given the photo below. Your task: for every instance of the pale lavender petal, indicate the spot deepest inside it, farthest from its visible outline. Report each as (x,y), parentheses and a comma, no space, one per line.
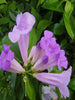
(18,18)
(14,35)
(40,63)
(24,25)
(16,67)
(23,45)
(32,52)
(50,46)
(62,60)
(48,34)
(45,62)
(26,22)
(59,80)
(38,53)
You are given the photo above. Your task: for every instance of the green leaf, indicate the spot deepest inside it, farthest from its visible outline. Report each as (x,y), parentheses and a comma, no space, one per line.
(53,5)
(36,14)
(2,1)
(72,84)
(3,6)
(21,93)
(42,25)
(70,25)
(68,8)
(30,89)
(32,38)
(4,20)
(12,16)
(58,29)
(12,5)
(13,81)
(40,2)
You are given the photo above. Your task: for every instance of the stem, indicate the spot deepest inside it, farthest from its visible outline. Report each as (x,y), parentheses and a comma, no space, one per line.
(28,71)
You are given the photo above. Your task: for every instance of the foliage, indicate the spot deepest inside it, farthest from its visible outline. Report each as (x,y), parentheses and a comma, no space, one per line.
(57,16)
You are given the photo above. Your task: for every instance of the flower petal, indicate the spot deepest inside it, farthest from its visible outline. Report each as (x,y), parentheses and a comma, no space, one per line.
(6,65)
(16,67)
(14,35)
(25,22)
(59,80)
(23,45)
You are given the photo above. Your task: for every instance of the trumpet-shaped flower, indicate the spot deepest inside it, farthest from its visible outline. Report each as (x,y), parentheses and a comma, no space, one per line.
(21,31)
(51,50)
(7,61)
(59,80)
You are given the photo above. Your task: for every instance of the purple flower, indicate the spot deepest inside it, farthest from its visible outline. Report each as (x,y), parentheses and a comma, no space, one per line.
(24,25)
(59,80)
(48,43)
(47,46)
(21,31)
(7,61)
(36,53)
(6,57)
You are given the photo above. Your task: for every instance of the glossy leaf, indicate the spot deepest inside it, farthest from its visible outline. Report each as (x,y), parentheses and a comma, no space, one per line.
(40,2)
(59,29)
(4,20)
(70,25)
(36,14)
(42,25)
(32,38)
(72,84)
(68,8)
(12,16)
(52,5)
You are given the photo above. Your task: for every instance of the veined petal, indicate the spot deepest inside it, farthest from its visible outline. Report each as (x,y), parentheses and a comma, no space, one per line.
(45,62)
(59,80)
(15,67)
(40,63)
(38,53)
(32,52)
(23,45)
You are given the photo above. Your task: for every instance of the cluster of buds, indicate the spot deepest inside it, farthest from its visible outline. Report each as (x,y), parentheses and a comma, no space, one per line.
(47,54)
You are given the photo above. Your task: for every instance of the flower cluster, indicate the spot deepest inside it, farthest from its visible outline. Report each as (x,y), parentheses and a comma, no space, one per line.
(45,55)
